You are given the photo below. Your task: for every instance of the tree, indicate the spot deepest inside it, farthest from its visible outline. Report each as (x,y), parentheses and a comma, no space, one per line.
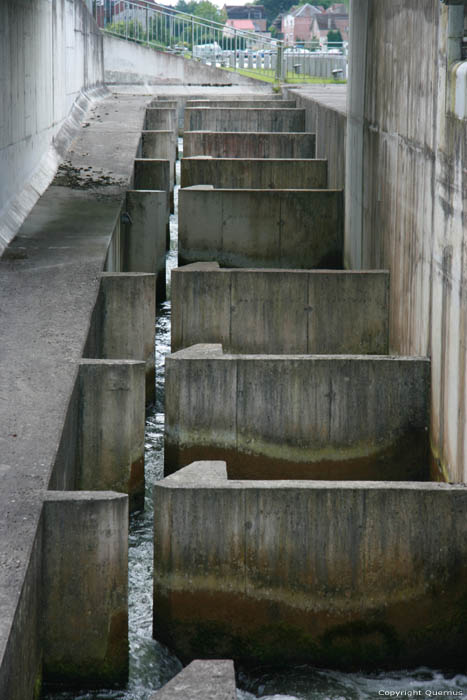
(334,37)
(202,8)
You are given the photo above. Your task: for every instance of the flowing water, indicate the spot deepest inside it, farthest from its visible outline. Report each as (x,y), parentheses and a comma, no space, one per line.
(152,664)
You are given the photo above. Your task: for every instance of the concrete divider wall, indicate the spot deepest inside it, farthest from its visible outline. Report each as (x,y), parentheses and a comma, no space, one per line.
(154,174)
(254,173)
(161,119)
(298,416)
(111,427)
(159,144)
(243,104)
(245,145)
(261,228)
(63,54)
(85,588)
(325,573)
(144,237)
(122,324)
(239,119)
(281,311)
(21,649)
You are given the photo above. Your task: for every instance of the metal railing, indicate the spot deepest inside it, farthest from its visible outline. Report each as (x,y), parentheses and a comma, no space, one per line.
(216,44)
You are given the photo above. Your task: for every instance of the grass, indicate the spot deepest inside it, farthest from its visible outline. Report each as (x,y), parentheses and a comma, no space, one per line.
(269,76)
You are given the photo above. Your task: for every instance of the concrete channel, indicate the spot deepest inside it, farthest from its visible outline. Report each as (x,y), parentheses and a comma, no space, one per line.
(276,458)
(295,449)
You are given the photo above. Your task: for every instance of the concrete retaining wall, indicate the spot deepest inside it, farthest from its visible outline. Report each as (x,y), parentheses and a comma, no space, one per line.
(338,575)
(406,201)
(201,680)
(243,145)
(239,119)
(129,63)
(298,416)
(281,311)
(255,173)
(261,228)
(51,55)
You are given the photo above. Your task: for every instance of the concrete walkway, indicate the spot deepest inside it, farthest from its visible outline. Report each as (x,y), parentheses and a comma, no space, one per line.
(49,280)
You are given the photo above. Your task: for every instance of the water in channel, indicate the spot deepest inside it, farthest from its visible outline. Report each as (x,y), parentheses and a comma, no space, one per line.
(152,664)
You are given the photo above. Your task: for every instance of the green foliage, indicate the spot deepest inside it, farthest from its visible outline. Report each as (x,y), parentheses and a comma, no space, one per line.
(202,8)
(334,37)
(131,29)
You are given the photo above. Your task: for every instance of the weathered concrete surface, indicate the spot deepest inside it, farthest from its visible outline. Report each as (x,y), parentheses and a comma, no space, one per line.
(246,145)
(111,427)
(298,416)
(51,59)
(407,209)
(85,588)
(49,282)
(334,574)
(245,103)
(122,324)
(255,173)
(261,228)
(201,680)
(155,174)
(159,144)
(326,116)
(152,174)
(241,119)
(281,311)
(145,233)
(129,63)
(161,119)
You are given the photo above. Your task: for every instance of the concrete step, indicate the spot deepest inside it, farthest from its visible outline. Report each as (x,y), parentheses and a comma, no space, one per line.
(299,229)
(255,173)
(280,311)
(244,119)
(249,145)
(345,574)
(298,416)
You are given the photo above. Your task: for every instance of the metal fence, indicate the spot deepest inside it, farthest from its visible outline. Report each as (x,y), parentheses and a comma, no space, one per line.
(217,44)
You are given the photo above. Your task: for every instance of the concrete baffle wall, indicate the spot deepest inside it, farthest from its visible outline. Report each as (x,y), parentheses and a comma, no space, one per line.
(155,174)
(247,120)
(255,173)
(85,588)
(159,144)
(201,680)
(248,145)
(281,311)
(111,435)
(242,104)
(261,228)
(298,416)
(122,325)
(145,234)
(335,574)
(161,118)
